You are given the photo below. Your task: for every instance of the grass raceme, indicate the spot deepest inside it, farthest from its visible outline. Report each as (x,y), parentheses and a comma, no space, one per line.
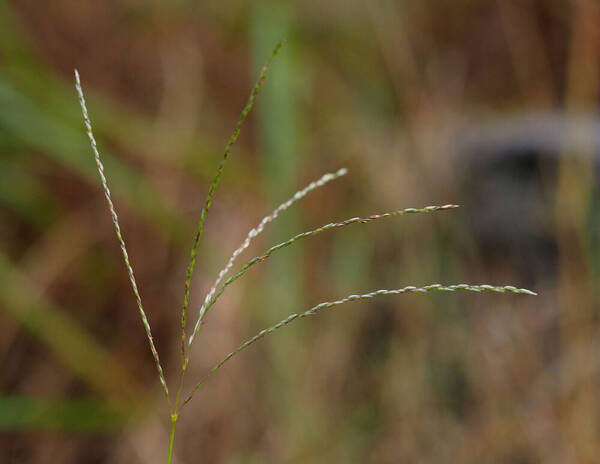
(175,401)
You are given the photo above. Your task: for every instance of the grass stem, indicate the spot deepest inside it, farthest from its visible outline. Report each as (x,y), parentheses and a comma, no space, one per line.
(171,438)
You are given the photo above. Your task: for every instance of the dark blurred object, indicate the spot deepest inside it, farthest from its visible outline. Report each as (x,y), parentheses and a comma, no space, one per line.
(509,174)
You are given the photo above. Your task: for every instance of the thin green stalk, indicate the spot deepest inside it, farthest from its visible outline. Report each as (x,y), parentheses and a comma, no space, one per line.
(171,438)
(329,304)
(200,229)
(333,225)
(115,220)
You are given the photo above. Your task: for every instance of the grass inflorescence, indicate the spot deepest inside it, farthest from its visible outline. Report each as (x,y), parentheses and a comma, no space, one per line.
(115,220)
(175,405)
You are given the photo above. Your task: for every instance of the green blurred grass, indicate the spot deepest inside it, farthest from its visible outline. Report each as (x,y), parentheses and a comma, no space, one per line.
(373,88)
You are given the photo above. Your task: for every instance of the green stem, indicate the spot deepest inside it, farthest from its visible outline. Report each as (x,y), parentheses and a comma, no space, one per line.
(172,437)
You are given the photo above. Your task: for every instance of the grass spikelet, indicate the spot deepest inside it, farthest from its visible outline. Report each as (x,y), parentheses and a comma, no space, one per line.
(258,230)
(364,296)
(216,291)
(213,186)
(303,235)
(115,220)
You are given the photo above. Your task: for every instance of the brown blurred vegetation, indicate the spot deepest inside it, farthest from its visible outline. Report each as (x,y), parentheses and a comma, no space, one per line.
(488,104)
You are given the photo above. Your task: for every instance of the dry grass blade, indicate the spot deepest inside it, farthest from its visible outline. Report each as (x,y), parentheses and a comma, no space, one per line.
(115,220)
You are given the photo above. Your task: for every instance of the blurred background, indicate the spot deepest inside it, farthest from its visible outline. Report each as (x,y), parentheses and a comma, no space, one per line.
(491,105)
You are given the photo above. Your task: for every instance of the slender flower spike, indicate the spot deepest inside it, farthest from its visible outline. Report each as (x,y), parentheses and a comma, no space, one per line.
(115,220)
(259,229)
(207,204)
(211,191)
(365,296)
(303,235)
